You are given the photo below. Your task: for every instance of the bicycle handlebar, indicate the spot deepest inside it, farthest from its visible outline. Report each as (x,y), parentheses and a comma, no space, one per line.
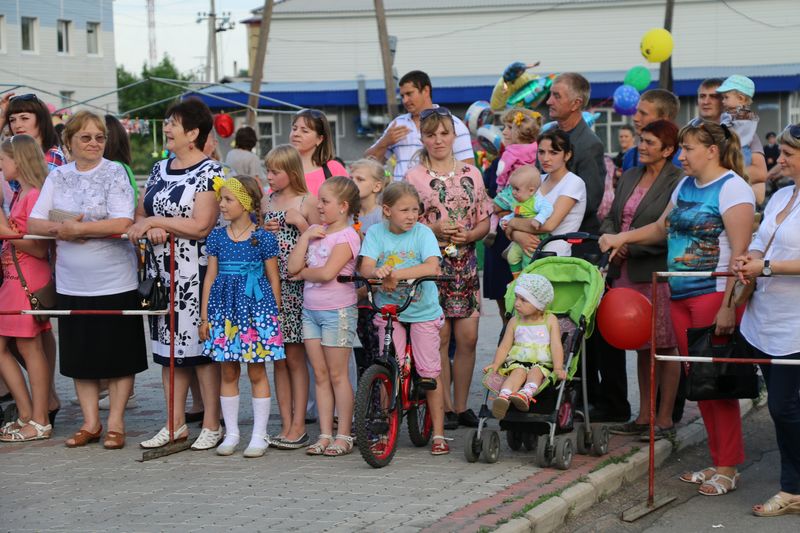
(412,283)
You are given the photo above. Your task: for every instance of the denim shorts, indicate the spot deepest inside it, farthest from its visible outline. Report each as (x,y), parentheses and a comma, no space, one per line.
(335,327)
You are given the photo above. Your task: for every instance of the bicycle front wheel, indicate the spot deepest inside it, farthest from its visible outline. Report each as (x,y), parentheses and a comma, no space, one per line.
(376,423)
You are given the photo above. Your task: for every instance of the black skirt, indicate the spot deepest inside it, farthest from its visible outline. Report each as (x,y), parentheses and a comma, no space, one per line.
(101,347)
(496,272)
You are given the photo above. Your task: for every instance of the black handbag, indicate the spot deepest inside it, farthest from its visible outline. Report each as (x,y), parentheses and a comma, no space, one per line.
(152,291)
(718,381)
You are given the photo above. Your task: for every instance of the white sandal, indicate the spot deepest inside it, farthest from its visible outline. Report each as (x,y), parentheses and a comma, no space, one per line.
(335,450)
(207,439)
(719,488)
(162,437)
(699,477)
(318,448)
(42,433)
(12,427)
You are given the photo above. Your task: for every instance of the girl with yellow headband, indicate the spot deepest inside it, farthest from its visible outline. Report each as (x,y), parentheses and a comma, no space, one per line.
(239,313)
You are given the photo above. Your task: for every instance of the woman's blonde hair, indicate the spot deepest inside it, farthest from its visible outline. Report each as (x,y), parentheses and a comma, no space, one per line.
(788,139)
(286,158)
(528,123)
(29,158)
(429,125)
(397,190)
(375,170)
(78,121)
(724,138)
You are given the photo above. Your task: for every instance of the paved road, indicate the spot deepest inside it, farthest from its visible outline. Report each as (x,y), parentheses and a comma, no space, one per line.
(692,512)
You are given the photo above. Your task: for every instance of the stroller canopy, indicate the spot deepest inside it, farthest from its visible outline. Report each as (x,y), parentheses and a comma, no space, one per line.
(578,287)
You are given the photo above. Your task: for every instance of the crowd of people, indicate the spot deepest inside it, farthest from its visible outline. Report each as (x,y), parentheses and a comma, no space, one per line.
(257,259)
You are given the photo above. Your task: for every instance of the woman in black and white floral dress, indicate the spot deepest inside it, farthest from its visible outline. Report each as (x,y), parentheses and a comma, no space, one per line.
(179,199)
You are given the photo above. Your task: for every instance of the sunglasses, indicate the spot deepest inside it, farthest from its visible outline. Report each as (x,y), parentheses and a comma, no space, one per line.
(30,97)
(794,130)
(700,123)
(441,111)
(86,138)
(315,113)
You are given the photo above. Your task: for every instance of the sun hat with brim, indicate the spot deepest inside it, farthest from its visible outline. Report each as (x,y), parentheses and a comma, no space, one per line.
(743,84)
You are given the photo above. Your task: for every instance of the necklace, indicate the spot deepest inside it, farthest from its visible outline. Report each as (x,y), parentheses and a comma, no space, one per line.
(237,236)
(432,173)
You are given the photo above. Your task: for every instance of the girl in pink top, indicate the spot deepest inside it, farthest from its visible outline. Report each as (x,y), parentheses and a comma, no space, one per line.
(311,135)
(329,308)
(22,159)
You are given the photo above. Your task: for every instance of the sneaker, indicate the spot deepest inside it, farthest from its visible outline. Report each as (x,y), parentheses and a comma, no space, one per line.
(521,401)
(208,439)
(468,418)
(450,420)
(500,407)
(105,403)
(629,428)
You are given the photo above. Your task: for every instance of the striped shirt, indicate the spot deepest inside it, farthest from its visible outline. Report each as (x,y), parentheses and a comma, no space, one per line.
(407,148)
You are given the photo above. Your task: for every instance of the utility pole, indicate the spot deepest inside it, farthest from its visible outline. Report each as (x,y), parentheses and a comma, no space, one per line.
(386,57)
(258,63)
(665,74)
(215,26)
(151,32)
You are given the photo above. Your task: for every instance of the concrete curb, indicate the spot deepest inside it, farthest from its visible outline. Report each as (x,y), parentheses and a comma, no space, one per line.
(598,485)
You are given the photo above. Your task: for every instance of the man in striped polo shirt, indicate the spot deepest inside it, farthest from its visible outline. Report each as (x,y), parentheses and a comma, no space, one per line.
(402,138)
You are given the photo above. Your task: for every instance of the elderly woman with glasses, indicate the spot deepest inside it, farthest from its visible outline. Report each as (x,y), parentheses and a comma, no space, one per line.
(771,324)
(311,136)
(456,207)
(81,204)
(706,225)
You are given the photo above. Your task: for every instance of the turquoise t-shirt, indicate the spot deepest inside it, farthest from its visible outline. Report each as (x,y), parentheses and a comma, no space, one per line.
(405,250)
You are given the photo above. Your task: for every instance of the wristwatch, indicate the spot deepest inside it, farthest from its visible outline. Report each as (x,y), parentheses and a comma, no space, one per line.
(767,270)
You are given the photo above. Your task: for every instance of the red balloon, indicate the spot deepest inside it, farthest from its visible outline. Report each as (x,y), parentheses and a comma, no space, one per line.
(223,123)
(624,318)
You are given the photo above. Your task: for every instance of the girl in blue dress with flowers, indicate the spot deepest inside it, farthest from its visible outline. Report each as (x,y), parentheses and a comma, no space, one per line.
(240,307)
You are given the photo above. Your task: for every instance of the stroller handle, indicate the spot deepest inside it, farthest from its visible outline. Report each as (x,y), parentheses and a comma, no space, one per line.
(577,237)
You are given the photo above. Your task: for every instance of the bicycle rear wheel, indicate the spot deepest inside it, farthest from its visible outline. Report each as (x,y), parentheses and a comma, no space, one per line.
(376,423)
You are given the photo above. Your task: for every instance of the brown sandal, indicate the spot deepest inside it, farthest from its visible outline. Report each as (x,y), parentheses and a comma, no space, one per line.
(83,437)
(114,440)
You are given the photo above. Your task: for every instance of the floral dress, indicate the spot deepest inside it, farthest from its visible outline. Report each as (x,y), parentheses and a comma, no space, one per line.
(171,193)
(291,290)
(461,198)
(242,312)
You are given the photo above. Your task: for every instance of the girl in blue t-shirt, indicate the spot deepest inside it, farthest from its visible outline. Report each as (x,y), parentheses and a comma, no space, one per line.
(400,249)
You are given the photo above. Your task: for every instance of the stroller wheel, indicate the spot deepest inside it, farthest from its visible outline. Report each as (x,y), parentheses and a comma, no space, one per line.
(544,452)
(514,439)
(581,446)
(563,453)
(490,451)
(599,440)
(472,446)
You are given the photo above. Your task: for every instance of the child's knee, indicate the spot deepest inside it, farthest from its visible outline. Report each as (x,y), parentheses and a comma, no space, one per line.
(230,372)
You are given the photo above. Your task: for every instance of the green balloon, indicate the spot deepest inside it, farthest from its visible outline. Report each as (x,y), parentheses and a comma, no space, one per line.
(638,77)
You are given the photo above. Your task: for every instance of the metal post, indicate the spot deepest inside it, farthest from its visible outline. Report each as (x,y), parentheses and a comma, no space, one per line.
(651,479)
(171,405)
(386,56)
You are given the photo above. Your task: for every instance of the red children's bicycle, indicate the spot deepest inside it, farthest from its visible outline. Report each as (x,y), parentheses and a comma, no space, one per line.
(387,391)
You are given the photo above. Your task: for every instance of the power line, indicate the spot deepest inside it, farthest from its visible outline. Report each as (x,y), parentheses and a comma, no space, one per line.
(757,21)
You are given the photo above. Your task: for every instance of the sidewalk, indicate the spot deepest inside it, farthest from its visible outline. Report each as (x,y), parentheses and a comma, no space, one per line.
(45,486)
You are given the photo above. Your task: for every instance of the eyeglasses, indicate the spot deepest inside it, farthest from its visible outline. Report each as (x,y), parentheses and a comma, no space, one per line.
(441,111)
(794,130)
(86,138)
(30,97)
(699,123)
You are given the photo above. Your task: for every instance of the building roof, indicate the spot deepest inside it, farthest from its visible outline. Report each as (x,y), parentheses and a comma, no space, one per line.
(468,89)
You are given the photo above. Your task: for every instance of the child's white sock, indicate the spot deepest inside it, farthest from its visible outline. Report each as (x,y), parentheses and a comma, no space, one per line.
(230,413)
(260,418)
(505,392)
(530,388)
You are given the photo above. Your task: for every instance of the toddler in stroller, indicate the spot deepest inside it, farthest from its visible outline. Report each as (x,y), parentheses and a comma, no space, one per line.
(531,347)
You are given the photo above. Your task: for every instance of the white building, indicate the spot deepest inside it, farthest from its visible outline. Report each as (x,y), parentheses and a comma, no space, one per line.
(61,50)
(318,49)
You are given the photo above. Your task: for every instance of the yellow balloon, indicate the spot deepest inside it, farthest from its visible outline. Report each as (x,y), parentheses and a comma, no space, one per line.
(657,45)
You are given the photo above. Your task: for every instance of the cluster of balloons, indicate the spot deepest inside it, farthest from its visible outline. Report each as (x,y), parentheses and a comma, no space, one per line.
(656,47)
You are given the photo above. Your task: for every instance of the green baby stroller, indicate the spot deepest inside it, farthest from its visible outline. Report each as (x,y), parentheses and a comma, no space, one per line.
(550,427)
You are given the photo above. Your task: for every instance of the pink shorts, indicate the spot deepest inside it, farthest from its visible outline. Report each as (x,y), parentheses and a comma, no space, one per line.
(425,342)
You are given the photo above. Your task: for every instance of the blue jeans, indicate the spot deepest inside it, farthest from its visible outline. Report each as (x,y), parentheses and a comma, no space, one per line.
(783,387)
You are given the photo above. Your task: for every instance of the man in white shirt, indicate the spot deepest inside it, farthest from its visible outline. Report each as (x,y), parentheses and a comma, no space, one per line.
(402,138)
